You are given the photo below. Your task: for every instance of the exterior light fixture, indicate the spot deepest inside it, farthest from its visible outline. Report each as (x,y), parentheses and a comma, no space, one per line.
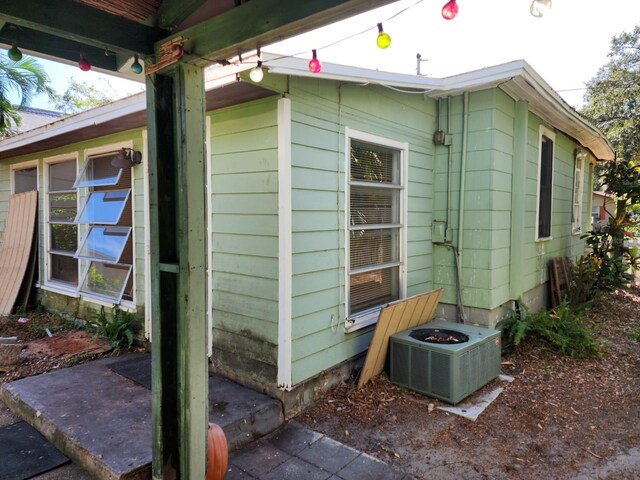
(83,64)
(14,53)
(314,64)
(383,40)
(257,74)
(136,66)
(450,10)
(127,158)
(540,7)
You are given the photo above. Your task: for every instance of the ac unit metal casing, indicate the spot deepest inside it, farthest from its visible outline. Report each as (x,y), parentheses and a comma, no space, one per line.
(448,372)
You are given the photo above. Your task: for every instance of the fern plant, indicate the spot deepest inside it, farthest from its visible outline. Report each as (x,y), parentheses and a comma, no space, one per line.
(119,330)
(515,326)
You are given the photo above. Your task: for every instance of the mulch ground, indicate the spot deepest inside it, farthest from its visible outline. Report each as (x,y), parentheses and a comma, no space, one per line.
(559,418)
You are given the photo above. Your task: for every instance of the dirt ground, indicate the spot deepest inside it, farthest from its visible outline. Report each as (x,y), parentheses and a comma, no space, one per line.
(41,352)
(559,419)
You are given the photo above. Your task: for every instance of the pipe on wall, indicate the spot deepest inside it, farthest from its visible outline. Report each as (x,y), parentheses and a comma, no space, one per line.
(463,176)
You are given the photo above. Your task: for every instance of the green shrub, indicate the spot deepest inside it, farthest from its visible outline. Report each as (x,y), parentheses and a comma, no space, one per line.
(562,327)
(119,330)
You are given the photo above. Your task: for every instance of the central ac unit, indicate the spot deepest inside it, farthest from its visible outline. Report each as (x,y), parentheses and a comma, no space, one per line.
(448,371)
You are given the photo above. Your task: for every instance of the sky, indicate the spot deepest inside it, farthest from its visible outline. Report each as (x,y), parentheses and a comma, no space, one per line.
(566,47)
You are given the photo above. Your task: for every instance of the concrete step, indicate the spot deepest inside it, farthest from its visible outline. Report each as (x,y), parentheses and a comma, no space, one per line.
(102,420)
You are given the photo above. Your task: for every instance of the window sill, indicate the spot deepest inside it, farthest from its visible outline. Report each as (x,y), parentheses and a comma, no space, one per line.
(125,305)
(362,320)
(544,239)
(60,289)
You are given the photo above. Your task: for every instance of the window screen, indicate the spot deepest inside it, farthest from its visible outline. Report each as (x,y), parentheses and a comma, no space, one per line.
(99,171)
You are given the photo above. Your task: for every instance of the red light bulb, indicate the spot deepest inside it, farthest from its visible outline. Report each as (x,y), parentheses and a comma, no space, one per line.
(314,63)
(177,50)
(84,64)
(450,10)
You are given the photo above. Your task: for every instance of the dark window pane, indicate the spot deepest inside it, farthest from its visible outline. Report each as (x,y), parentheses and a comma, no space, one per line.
(62,175)
(373,247)
(64,269)
(64,237)
(62,207)
(367,290)
(374,206)
(545,193)
(25,180)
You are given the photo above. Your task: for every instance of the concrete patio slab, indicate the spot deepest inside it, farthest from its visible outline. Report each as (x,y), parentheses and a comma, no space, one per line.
(102,420)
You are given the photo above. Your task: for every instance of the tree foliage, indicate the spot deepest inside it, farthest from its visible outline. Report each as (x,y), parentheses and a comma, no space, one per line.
(613,104)
(26,78)
(80,96)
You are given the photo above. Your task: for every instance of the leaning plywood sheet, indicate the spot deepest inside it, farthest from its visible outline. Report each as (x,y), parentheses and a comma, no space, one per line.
(394,318)
(18,240)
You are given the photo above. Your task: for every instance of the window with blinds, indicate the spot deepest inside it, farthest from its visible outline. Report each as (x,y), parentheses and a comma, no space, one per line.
(375,189)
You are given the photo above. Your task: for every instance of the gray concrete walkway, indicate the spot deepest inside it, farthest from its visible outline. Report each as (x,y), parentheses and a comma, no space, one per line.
(102,422)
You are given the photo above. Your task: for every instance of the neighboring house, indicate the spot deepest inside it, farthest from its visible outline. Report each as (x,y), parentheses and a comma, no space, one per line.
(603,207)
(330,195)
(36,117)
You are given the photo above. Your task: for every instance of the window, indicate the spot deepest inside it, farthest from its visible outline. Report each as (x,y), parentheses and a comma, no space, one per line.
(106,245)
(375,226)
(25,178)
(61,234)
(545,184)
(576,217)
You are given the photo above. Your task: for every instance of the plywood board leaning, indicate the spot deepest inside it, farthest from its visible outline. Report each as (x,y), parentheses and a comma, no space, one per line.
(16,249)
(396,317)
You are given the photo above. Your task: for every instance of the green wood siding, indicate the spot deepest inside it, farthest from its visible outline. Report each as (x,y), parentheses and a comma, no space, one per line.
(87,306)
(244,240)
(320,112)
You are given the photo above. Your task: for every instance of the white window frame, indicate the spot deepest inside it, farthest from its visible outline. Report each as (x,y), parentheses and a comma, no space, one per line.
(48,283)
(127,305)
(545,132)
(23,166)
(578,192)
(370,316)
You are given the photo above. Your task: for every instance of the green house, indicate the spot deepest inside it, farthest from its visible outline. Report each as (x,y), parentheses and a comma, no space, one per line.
(329,195)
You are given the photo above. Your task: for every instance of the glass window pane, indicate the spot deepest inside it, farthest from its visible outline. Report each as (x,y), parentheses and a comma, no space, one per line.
(374,163)
(370,289)
(99,171)
(64,236)
(62,175)
(106,280)
(374,206)
(63,268)
(104,243)
(373,247)
(25,180)
(103,207)
(63,207)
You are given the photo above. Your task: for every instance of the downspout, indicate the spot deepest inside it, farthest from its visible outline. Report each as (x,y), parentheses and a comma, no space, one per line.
(463,174)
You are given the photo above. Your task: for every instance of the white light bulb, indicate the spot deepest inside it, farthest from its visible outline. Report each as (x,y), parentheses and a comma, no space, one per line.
(257,74)
(540,7)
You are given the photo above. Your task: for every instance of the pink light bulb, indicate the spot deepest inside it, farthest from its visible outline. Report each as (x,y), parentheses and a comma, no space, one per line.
(450,10)
(314,64)
(84,64)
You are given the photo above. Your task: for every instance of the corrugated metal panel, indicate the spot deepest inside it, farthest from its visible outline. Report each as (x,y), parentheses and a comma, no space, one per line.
(17,247)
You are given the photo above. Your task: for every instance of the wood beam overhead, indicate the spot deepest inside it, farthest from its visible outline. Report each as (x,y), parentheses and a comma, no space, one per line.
(173,12)
(83,24)
(243,28)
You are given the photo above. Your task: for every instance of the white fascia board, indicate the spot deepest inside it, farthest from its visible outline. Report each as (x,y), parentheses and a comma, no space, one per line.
(95,116)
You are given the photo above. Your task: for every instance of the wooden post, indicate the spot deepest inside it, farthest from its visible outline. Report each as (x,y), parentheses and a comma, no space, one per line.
(175,111)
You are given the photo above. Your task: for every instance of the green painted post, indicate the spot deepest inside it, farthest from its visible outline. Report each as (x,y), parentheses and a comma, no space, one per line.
(175,111)
(518,190)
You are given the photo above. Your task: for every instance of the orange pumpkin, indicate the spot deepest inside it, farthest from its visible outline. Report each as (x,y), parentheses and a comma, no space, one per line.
(217,453)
